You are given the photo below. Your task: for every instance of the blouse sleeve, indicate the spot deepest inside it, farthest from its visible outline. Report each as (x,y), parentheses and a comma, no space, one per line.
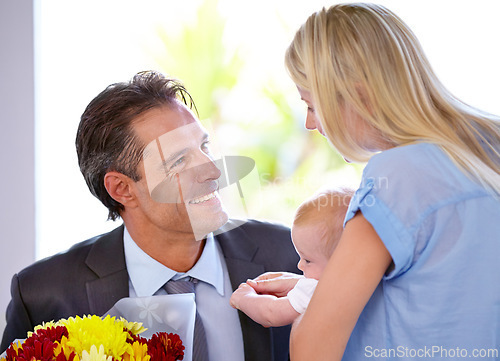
(394,233)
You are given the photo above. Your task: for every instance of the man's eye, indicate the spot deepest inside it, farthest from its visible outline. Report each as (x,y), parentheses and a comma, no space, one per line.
(177,162)
(206,146)
(307,261)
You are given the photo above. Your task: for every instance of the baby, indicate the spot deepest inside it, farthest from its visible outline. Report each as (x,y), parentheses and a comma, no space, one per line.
(316,230)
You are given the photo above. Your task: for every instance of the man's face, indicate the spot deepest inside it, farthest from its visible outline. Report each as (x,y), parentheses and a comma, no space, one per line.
(179,186)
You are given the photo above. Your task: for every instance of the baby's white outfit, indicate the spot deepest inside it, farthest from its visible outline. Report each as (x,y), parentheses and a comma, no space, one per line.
(301,294)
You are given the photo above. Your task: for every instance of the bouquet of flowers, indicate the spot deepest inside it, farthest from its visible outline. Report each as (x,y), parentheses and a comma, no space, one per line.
(92,338)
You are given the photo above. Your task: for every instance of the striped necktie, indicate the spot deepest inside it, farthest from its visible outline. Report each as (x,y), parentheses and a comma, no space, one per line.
(186,285)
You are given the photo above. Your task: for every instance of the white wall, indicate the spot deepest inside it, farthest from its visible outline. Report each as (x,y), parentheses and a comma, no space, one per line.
(17,165)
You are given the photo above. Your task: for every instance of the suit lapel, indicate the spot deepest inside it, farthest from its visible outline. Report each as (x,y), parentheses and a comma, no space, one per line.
(107,260)
(239,253)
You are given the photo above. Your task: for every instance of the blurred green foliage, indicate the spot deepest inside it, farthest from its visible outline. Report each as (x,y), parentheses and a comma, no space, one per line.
(198,57)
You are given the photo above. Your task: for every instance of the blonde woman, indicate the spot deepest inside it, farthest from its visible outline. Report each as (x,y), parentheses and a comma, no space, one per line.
(416,273)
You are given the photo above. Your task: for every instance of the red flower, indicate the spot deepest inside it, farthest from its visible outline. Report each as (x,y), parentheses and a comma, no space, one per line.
(40,346)
(52,334)
(62,357)
(165,347)
(40,351)
(11,353)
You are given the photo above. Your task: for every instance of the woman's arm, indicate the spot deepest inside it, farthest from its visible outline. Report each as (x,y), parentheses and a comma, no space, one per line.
(351,276)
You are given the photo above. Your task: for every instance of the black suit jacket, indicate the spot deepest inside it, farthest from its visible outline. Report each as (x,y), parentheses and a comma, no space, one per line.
(92,276)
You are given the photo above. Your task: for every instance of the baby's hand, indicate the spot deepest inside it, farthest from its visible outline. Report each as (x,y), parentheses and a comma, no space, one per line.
(266,309)
(243,291)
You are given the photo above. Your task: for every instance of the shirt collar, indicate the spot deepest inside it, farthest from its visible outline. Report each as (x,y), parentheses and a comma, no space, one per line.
(147,275)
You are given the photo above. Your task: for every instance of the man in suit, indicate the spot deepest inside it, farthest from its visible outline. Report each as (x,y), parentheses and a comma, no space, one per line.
(145,155)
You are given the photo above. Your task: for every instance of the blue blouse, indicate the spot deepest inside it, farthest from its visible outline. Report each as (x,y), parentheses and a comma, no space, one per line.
(441,297)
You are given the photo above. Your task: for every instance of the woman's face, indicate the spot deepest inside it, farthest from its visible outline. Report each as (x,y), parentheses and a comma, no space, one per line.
(363,134)
(312,122)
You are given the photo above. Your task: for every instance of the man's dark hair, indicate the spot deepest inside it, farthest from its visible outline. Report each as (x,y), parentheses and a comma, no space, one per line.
(105,140)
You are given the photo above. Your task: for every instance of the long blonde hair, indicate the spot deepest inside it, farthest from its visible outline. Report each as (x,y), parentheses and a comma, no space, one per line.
(350,49)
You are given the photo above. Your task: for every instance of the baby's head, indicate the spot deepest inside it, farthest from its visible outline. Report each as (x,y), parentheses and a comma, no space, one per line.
(317,228)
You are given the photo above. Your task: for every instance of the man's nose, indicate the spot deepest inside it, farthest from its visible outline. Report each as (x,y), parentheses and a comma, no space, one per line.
(207,170)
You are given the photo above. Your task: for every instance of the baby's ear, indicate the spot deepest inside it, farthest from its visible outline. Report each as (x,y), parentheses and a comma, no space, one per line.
(119,188)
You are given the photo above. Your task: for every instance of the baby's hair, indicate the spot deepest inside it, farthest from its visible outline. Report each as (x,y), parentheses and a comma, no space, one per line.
(325,210)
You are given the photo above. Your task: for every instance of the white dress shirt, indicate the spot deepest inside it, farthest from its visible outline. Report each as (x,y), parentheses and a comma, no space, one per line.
(222,325)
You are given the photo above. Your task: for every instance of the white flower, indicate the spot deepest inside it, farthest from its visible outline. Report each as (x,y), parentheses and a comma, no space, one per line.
(95,355)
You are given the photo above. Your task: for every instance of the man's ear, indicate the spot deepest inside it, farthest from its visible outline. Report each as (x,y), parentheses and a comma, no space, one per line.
(119,188)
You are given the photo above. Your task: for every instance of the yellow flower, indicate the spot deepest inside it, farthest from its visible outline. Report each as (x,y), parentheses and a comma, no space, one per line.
(85,332)
(64,348)
(139,353)
(95,355)
(135,327)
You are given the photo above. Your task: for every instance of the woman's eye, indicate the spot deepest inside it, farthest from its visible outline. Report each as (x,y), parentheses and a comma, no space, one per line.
(309,109)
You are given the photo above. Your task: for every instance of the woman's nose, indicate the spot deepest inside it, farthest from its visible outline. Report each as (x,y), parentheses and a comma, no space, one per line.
(310,122)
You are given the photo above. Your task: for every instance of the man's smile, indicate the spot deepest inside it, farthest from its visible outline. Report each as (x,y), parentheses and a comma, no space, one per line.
(204,198)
